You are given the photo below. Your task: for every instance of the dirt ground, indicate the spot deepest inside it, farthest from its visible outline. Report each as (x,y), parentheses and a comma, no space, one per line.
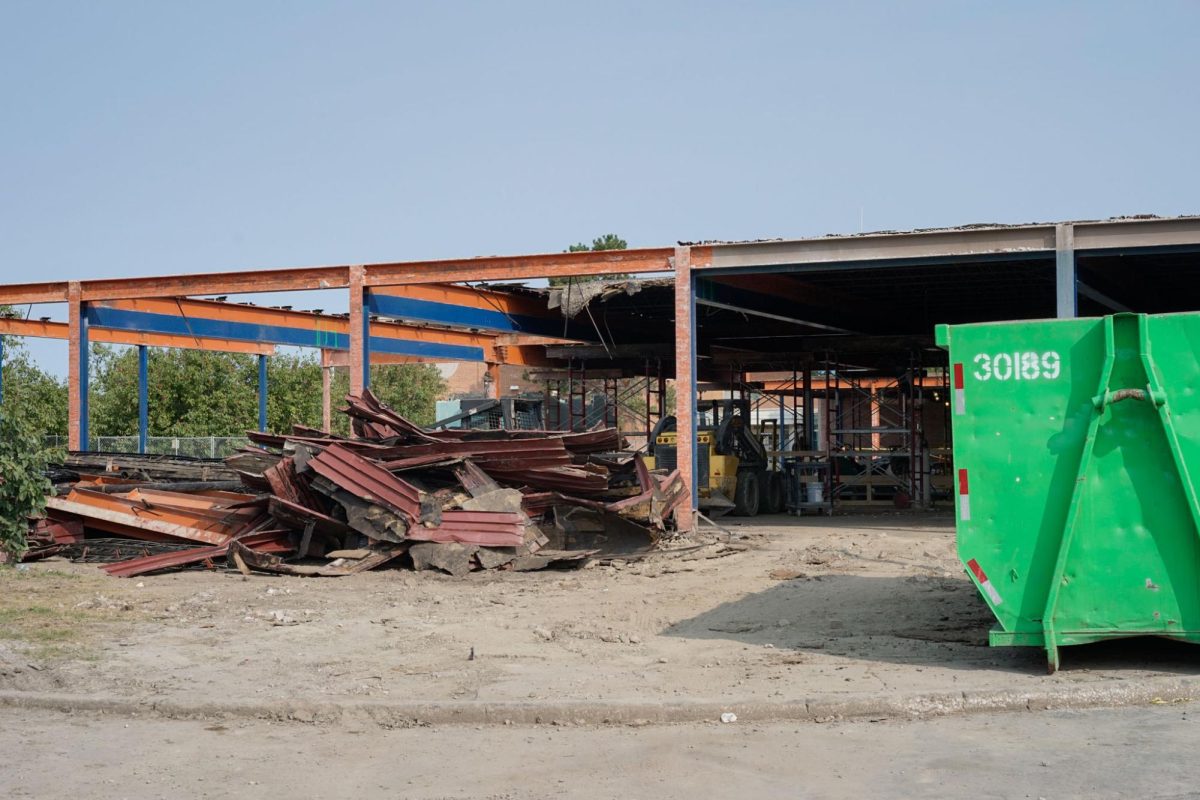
(808,607)
(1147,753)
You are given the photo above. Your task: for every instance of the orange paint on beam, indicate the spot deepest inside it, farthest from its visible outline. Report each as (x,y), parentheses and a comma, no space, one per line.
(493,268)
(242,282)
(301,320)
(75,356)
(37,329)
(484,268)
(469,297)
(19,294)
(341,358)
(359,334)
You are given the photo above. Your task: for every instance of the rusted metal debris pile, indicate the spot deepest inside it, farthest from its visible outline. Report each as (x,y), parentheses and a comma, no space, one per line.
(312,503)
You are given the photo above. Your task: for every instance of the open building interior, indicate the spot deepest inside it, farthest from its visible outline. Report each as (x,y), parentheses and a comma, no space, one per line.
(829,342)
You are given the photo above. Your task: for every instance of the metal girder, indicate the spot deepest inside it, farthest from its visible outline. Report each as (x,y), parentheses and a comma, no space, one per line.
(38,329)
(1066,289)
(615,351)
(1094,294)
(484,268)
(738,298)
(1128,234)
(473,307)
(295,328)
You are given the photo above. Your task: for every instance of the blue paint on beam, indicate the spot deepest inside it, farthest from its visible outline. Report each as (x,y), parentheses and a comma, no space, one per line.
(84,358)
(388,305)
(143,398)
(366,334)
(450,314)
(147,322)
(262,393)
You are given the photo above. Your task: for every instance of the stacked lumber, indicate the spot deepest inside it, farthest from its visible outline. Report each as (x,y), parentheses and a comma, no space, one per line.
(313,503)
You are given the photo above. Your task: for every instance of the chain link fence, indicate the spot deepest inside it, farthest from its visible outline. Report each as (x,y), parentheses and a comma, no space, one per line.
(194,446)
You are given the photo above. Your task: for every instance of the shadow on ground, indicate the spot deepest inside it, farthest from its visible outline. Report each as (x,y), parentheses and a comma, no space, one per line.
(915,620)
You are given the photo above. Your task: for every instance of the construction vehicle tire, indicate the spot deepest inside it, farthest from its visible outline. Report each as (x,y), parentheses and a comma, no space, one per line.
(774,500)
(746,495)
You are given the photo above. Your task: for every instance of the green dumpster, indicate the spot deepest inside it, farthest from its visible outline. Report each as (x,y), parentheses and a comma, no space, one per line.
(1074,441)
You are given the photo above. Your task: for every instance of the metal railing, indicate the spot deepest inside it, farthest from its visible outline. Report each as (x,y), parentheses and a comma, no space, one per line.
(194,446)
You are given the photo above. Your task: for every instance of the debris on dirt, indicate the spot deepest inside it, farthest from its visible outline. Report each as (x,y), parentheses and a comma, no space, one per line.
(311,503)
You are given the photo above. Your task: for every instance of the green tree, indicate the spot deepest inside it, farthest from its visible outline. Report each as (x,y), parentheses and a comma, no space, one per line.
(198,393)
(23,483)
(609,241)
(39,397)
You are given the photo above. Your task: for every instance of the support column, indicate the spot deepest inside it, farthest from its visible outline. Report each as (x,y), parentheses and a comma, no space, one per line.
(360,331)
(1067,294)
(77,369)
(875,400)
(810,441)
(262,392)
(494,389)
(326,392)
(143,398)
(685,382)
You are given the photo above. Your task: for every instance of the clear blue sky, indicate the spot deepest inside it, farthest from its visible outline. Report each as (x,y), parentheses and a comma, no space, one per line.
(164,137)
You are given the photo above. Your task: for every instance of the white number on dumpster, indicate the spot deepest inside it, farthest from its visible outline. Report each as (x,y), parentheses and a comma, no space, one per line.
(1022,365)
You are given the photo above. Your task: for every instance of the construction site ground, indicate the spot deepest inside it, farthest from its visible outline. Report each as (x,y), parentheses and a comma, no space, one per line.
(859,616)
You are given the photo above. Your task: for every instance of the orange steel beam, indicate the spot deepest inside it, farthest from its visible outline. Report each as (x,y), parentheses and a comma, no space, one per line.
(37,329)
(360,333)
(468,296)
(493,268)
(76,358)
(484,268)
(521,356)
(341,358)
(304,320)
(774,386)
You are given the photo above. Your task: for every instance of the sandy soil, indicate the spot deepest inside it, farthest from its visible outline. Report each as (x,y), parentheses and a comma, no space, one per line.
(811,607)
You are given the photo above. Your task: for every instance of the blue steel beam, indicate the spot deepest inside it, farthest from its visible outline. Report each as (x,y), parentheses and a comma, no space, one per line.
(143,398)
(487,319)
(84,359)
(122,319)
(366,338)
(262,393)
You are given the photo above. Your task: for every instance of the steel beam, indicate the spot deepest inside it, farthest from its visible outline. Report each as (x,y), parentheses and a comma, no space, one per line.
(77,370)
(956,242)
(1116,234)
(472,307)
(283,326)
(39,329)
(262,393)
(360,324)
(316,331)
(326,395)
(1066,289)
(144,398)
(685,384)
(483,268)
(494,268)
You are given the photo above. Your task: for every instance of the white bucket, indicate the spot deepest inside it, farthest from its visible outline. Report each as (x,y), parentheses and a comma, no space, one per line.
(815,492)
